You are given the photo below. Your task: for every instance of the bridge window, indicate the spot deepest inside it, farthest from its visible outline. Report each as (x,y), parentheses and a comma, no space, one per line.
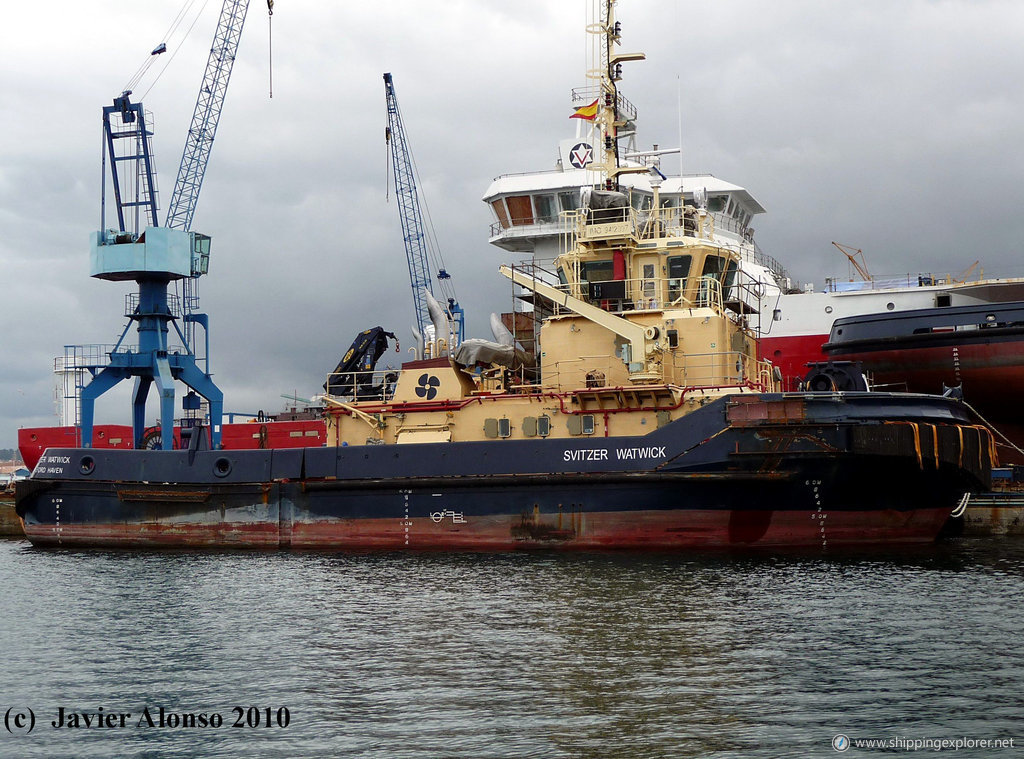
(499,209)
(520,209)
(546,208)
(722,268)
(641,201)
(678,271)
(597,271)
(717,203)
(570,201)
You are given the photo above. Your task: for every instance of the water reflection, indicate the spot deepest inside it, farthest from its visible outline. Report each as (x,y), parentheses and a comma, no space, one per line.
(476,655)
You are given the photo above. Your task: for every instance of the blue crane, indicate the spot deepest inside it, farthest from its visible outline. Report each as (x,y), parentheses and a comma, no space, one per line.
(413,228)
(155,256)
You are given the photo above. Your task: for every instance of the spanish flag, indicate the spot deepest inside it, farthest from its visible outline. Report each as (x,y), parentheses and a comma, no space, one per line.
(586,112)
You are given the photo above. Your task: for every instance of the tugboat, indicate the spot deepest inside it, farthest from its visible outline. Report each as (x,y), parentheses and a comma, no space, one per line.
(644,421)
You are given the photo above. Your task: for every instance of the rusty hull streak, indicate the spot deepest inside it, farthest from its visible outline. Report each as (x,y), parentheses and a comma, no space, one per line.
(128,495)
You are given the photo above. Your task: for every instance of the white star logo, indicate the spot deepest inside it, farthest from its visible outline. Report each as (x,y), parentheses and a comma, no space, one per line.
(581,154)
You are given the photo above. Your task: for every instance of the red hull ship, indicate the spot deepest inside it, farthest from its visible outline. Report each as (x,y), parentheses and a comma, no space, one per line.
(977,350)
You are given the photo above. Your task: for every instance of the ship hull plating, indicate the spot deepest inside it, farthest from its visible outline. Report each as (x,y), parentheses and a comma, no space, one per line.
(758,471)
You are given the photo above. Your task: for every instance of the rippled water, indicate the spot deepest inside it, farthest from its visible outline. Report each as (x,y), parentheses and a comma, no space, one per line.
(477,655)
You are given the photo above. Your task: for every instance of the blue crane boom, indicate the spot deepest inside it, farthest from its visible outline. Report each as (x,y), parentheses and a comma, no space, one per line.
(412,221)
(199,141)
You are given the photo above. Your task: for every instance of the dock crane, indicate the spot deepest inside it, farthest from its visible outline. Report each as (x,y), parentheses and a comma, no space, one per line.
(413,228)
(155,256)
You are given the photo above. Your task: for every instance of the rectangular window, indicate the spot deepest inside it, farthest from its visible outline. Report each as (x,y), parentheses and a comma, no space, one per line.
(713,265)
(504,428)
(546,208)
(587,424)
(570,201)
(520,209)
(597,271)
(679,266)
(649,285)
(678,271)
(641,201)
(730,276)
(543,426)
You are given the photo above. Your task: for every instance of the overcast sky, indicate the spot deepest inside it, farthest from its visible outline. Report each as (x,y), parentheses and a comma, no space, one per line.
(890,126)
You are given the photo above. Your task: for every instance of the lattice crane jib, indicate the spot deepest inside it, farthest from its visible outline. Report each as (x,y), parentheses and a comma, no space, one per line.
(414,231)
(206,115)
(408,209)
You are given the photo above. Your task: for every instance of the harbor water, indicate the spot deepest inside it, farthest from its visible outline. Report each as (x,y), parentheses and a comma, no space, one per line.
(413,655)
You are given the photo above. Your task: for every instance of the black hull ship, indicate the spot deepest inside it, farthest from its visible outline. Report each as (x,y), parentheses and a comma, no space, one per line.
(749,470)
(638,417)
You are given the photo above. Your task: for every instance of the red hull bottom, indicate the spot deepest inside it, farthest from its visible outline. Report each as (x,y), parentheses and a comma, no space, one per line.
(991,374)
(589,531)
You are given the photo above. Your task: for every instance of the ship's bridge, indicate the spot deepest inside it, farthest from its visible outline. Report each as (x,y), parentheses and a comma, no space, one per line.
(525,207)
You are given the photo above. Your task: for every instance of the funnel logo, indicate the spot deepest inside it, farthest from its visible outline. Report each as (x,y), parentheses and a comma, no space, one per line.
(427,386)
(581,154)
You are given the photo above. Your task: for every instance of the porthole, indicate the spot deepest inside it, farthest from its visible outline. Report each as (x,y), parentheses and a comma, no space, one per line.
(890,306)
(222,467)
(87,465)
(828,309)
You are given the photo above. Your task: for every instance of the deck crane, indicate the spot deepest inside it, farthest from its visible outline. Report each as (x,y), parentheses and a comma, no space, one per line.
(413,228)
(155,256)
(853,254)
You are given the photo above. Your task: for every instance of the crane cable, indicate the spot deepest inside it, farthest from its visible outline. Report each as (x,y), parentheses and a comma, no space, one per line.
(270,43)
(142,69)
(179,47)
(430,236)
